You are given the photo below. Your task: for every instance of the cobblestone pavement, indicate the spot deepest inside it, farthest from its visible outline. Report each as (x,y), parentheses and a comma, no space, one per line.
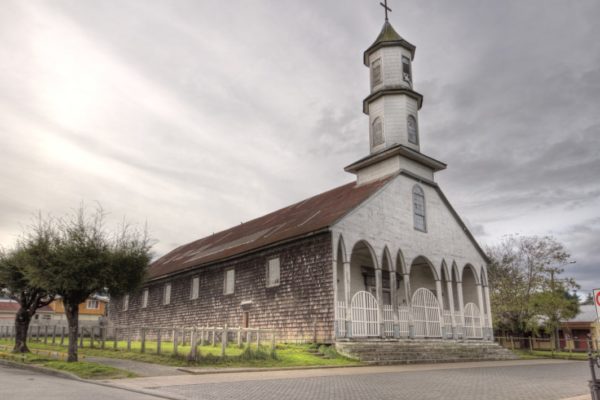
(516,382)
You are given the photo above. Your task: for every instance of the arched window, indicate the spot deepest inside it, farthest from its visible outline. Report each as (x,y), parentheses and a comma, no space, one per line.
(419,208)
(376,72)
(413,132)
(377,132)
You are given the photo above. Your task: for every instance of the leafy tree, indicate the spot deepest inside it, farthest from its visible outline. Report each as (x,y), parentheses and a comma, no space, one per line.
(88,258)
(524,284)
(589,300)
(34,249)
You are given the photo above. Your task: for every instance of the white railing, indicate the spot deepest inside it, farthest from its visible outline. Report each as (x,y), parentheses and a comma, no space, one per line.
(388,320)
(340,318)
(404,320)
(423,316)
(447,317)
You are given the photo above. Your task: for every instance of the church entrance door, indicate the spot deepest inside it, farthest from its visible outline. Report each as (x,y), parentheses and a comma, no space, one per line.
(426,314)
(365,321)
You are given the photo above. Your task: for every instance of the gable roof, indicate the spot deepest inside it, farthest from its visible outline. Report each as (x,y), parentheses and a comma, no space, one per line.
(301,219)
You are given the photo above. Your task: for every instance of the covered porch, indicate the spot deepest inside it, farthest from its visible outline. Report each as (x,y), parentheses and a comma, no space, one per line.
(380,296)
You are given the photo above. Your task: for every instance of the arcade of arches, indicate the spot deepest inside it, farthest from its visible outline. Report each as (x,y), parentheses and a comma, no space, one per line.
(387,298)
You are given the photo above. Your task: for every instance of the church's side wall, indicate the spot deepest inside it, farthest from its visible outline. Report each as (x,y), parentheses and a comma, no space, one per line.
(300,308)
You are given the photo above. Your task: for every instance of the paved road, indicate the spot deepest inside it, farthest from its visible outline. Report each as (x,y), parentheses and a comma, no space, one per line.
(514,380)
(18,384)
(548,381)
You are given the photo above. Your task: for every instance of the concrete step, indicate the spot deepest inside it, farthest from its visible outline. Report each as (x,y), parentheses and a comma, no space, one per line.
(422,351)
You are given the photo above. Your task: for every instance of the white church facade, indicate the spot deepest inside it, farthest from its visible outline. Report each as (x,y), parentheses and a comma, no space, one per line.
(385,256)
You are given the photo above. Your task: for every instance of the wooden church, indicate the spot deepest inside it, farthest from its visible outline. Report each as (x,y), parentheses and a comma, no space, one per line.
(385,257)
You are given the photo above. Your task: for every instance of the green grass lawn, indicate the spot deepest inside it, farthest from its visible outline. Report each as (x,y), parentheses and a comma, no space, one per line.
(563,355)
(82,369)
(285,355)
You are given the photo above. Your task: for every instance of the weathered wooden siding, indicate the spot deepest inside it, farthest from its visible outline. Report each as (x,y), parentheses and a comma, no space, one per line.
(299,308)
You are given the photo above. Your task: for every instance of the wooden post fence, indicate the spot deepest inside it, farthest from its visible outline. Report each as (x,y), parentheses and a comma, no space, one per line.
(54,334)
(224,341)
(128,339)
(46,334)
(143,349)
(175,344)
(62,335)
(158,338)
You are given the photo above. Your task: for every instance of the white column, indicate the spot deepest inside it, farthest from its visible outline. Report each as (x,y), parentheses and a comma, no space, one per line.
(394,300)
(379,297)
(480,301)
(461,305)
(408,296)
(486,291)
(440,299)
(335,298)
(450,291)
(347,299)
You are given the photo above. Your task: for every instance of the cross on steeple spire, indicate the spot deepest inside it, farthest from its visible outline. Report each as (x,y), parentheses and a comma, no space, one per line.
(386,8)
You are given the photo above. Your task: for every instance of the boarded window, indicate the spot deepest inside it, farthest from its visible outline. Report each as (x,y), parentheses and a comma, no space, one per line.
(167,294)
(145,298)
(126,302)
(229,283)
(406,70)
(273,272)
(419,208)
(195,292)
(413,134)
(377,132)
(376,72)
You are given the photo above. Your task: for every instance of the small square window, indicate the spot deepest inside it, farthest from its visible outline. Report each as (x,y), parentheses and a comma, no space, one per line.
(126,302)
(273,266)
(195,292)
(167,294)
(229,284)
(145,298)
(92,305)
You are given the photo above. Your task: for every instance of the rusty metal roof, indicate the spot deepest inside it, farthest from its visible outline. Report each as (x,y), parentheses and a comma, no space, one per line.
(300,219)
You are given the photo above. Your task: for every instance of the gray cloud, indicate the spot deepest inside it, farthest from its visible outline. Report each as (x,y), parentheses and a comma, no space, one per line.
(195,116)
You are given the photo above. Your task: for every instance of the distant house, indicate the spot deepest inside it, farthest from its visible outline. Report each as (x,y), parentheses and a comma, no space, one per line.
(9,308)
(90,310)
(574,332)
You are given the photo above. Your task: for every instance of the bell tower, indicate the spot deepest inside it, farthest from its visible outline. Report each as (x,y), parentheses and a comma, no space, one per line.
(392,107)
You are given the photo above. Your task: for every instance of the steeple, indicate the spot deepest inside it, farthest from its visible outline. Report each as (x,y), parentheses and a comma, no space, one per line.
(392,107)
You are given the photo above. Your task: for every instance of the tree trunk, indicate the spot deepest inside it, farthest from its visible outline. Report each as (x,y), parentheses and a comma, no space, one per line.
(22,321)
(72,312)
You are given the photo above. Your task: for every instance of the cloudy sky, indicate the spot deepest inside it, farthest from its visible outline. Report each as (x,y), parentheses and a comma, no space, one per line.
(197,115)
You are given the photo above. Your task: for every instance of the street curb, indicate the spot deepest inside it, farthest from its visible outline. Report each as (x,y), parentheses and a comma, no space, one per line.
(265,369)
(68,375)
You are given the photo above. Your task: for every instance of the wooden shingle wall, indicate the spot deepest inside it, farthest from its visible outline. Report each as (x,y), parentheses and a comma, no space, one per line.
(300,308)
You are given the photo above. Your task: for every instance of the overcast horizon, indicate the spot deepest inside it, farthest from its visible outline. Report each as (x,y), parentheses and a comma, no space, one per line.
(195,116)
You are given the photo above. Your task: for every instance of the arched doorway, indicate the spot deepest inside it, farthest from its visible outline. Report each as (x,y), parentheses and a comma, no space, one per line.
(472,312)
(426,311)
(363,291)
